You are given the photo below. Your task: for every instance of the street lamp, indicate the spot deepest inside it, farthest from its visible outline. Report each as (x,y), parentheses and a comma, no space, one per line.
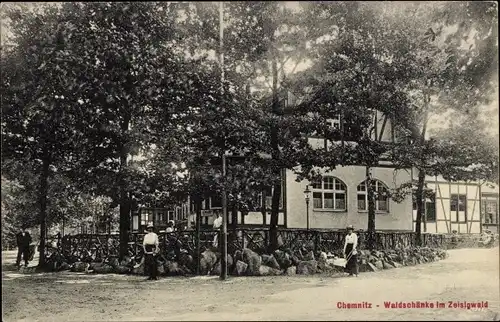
(307,192)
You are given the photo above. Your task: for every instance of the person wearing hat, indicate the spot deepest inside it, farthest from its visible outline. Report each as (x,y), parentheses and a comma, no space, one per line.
(23,239)
(151,248)
(350,248)
(170,227)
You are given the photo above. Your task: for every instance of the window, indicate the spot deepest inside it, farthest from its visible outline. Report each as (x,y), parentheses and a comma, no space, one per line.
(329,193)
(458,207)
(334,122)
(381,196)
(215,202)
(430,211)
(489,211)
(170,215)
(161,218)
(146,217)
(348,127)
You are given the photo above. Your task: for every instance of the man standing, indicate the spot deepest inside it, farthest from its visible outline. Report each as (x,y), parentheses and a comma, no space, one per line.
(150,245)
(23,239)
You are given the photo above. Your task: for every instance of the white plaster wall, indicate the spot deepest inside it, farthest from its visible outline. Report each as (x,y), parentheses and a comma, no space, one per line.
(398,218)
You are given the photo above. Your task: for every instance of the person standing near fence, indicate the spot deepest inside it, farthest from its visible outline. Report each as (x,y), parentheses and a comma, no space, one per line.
(217,225)
(23,239)
(151,247)
(350,248)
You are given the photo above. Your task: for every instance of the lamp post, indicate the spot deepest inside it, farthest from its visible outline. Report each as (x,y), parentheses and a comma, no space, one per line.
(307,192)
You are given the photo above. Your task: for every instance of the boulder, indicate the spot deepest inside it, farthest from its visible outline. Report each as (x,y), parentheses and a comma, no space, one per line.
(160,268)
(240,268)
(80,267)
(264,270)
(397,265)
(283,259)
(172,268)
(309,256)
(307,267)
(64,266)
(138,269)
(294,260)
(238,256)
(292,270)
(372,268)
(104,269)
(127,261)
(253,261)
(387,265)
(378,264)
(207,262)
(298,254)
(91,265)
(270,261)
(218,266)
(113,262)
(120,269)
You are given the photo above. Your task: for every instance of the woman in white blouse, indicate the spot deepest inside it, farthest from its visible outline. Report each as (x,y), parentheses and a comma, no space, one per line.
(350,248)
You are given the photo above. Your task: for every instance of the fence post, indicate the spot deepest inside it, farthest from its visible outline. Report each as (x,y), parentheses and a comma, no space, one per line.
(317,240)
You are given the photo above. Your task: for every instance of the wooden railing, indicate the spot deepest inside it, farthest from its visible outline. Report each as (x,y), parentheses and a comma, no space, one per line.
(95,247)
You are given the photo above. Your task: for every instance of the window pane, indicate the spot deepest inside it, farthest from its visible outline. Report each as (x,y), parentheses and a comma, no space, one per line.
(316,184)
(453,202)
(430,210)
(339,186)
(328,200)
(328,183)
(362,186)
(215,202)
(462,203)
(269,201)
(361,201)
(340,201)
(317,202)
(382,205)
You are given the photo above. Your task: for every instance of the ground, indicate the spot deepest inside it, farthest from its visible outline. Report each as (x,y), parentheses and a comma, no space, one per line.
(470,275)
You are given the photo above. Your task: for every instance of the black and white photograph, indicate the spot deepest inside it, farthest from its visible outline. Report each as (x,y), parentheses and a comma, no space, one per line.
(250,161)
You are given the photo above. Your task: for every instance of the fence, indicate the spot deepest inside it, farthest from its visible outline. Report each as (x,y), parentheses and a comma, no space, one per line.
(96,247)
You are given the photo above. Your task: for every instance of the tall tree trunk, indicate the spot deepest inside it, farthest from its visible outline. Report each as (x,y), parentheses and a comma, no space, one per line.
(234,217)
(124,196)
(44,178)
(419,194)
(421,181)
(263,208)
(371,209)
(273,229)
(197,208)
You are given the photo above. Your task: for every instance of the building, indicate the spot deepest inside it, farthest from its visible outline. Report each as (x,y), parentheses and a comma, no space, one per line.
(159,217)
(464,207)
(339,198)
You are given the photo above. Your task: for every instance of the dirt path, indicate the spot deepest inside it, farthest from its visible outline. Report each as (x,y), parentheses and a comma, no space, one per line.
(468,275)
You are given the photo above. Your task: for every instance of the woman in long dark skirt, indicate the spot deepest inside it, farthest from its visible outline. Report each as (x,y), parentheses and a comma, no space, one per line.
(350,251)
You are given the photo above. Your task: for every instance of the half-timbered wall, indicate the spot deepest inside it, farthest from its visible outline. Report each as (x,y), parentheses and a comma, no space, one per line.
(457,207)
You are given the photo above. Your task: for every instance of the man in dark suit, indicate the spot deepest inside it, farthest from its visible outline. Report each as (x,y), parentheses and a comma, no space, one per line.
(23,246)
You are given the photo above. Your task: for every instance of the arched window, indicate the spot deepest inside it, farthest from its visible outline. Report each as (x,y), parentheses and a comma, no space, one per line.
(329,193)
(381,196)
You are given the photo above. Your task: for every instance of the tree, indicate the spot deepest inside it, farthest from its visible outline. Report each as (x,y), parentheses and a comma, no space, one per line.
(455,51)
(37,122)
